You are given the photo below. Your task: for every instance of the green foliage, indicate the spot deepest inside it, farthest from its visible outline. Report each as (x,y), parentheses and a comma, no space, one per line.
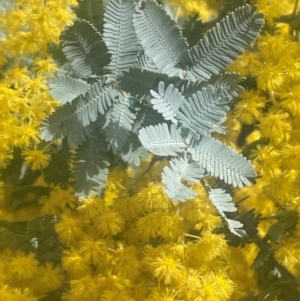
(142,89)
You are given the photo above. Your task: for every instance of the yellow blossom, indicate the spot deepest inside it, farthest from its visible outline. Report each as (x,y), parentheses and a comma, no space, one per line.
(45,67)
(92,249)
(69,229)
(24,266)
(275,126)
(246,64)
(24,294)
(209,245)
(157,224)
(291,100)
(249,108)
(127,264)
(74,263)
(287,252)
(50,277)
(59,200)
(270,77)
(265,158)
(109,223)
(165,268)
(85,288)
(36,158)
(6,293)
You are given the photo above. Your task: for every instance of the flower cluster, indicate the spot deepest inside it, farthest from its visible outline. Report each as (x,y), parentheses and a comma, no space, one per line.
(27,30)
(135,243)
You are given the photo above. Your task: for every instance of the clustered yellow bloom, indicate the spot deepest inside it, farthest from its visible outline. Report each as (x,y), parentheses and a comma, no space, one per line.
(135,243)
(27,29)
(273,108)
(122,248)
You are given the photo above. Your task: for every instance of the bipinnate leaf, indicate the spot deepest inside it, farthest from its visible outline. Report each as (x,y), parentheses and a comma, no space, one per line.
(90,166)
(160,37)
(223,203)
(120,124)
(72,117)
(162,140)
(229,82)
(167,101)
(84,48)
(119,35)
(138,82)
(66,88)
(204,112)
(223,43)
(91,11)
(181,169)
(222,162)
(133,151)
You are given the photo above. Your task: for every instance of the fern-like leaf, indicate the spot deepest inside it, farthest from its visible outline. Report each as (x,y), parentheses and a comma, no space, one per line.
(84,48)
(138,82)
(119,35)
(91,11)
(66,88)
(120,124)
(223,203)
(162,141)
(223,43)
(146,63)
(146,116)
(222,162)
(204,112)
(72,117)
(167,101)
(229,82)
(160,37)
(90,166)
(181,169)
(133,151)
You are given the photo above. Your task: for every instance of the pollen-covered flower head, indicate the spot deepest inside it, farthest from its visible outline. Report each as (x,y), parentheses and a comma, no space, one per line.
(24,266)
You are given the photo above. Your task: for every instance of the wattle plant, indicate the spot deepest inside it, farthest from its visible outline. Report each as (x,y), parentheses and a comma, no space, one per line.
(130,85)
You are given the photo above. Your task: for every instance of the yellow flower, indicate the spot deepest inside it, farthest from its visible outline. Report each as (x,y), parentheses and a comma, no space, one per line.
(209,245)
(215,287)
(29,133)
(73,262)
(265,158)
(127,264)
(24,266)
(155,224)
(36,158)
(270,77)
(246,64)
(49,277)
(275,126)
(291,100)
(153,198)
(279,186)
(272,47)
(165,268)
(6,293)
(109,223)
(249,108)
(287,252)
(59,199)
(86,288)
(23,294)
(290,156)
(44,67)
(92,249)
(163,295)
(69,229)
